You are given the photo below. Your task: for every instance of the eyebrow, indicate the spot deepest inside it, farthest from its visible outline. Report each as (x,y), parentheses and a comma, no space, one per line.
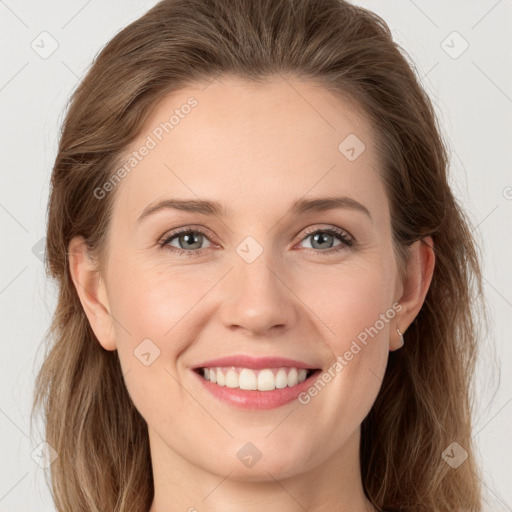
(214,208)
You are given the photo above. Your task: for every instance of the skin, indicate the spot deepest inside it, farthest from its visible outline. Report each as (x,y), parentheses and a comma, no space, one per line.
(255,148)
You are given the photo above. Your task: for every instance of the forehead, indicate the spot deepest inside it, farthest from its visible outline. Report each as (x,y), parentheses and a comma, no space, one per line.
(255,147)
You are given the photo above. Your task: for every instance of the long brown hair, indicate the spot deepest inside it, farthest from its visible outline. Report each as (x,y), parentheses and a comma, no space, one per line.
(425,401)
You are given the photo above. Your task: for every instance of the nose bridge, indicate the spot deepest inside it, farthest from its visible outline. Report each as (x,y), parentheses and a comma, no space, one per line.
(257,298)
(258,276)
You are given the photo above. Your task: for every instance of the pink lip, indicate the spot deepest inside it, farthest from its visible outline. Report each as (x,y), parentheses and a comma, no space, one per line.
(256,363)
(259,400)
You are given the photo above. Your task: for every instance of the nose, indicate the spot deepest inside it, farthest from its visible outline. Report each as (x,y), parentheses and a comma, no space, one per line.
(258,299)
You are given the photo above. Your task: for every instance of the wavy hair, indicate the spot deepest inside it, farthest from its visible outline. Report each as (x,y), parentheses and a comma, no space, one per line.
(425,401)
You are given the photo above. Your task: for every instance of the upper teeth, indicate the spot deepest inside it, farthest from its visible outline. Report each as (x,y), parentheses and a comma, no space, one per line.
(266,379)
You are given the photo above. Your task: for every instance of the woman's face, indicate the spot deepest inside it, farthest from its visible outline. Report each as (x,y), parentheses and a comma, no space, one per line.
(265,276)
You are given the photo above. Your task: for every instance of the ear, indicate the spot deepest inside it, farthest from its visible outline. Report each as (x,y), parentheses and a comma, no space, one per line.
(415,285)
(92,292)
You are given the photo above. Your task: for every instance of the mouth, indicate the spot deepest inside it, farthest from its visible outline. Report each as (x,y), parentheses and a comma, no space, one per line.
(255,383)
(251,379)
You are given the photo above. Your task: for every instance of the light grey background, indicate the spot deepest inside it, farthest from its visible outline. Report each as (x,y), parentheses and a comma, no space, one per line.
(472,91)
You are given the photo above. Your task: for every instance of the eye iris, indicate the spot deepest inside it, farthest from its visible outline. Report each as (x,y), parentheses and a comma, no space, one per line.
(321,237)
(189,239)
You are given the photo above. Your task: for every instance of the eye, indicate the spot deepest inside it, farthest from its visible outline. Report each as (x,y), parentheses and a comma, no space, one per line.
(187,241)
(322,239)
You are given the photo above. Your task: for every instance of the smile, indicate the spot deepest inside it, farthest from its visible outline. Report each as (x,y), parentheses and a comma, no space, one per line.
(247,388)
(266,379)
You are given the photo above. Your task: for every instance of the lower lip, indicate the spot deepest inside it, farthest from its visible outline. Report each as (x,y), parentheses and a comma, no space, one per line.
(259,400)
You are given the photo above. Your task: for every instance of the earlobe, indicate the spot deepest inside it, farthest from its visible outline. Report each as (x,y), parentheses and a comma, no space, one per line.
(92,292)
(420,269)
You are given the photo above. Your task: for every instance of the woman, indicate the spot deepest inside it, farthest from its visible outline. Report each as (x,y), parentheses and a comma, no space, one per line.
(266,283)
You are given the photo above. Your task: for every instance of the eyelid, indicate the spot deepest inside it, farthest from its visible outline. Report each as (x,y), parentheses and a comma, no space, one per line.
(347,240)
(327,228)
(185,229)
(306,231)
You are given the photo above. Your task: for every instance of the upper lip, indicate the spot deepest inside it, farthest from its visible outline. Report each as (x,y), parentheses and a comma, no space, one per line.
(256,363)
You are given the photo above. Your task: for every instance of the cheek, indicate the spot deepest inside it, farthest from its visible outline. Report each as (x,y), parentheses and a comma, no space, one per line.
(157,311)
(155,301)
(153,323)
(356,307)
(348,298)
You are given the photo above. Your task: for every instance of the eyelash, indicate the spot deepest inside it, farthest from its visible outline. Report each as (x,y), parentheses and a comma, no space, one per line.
(346,241)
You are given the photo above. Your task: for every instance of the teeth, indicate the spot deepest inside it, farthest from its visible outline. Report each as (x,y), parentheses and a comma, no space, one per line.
(293,377)
(281,379)
(247,380)
(231,379)
(261,380)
